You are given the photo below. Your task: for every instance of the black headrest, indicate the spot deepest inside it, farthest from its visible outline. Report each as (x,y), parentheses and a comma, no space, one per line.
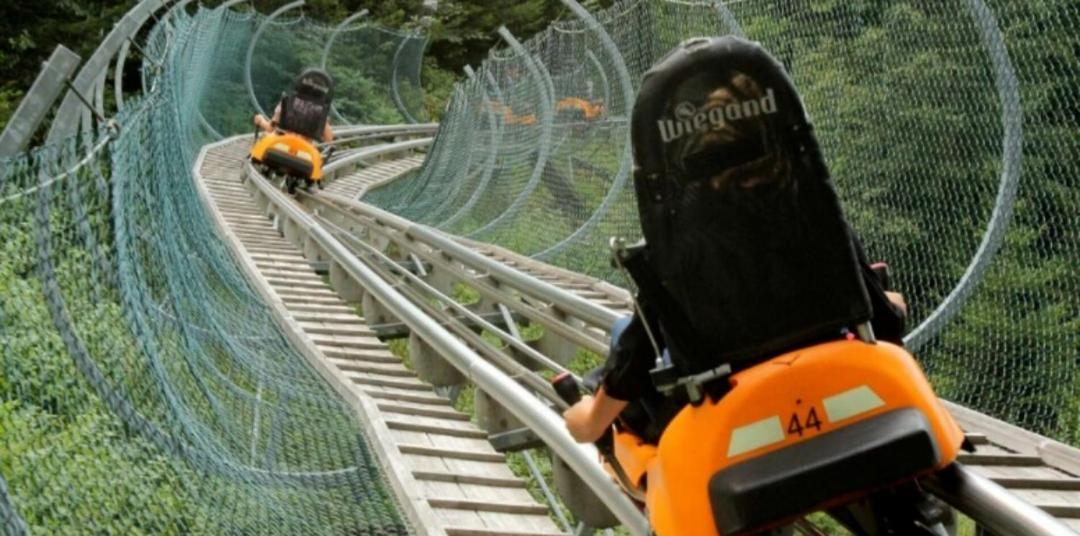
(314,85)
(741,221)
(709,93)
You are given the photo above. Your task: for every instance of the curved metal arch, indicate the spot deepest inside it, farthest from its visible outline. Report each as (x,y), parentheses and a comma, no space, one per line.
(442,150)
(118,75)
(230,3)
(394,94)
(728,18)
(626,160)
(251,50)
(99,101)
(47,87)
(1012,122)
(450,188)
(497,124)
(202,117)
(112,398)
(603,76)
(121,59)
(488,162)
(330,44)
(65,123)
(545,134)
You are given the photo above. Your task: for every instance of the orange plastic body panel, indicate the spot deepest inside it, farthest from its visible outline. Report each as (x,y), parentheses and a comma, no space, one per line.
(634,456)
(512,119)
(588,109)
(294,144)
(696,443)
(509,117)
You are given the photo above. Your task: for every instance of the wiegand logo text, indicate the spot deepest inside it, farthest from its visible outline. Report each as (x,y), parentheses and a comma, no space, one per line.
(688,118)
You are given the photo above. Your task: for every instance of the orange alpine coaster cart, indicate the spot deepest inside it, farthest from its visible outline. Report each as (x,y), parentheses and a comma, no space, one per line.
(792,405)
(289,151)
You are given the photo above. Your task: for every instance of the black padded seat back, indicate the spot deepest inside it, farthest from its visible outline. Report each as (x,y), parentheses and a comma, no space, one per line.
(306,106)
(742,225)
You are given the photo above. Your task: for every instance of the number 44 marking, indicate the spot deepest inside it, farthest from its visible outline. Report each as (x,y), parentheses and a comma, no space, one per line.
(796,425)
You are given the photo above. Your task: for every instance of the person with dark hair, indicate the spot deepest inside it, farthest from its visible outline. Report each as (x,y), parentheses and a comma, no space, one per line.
(745,255)
(305,108)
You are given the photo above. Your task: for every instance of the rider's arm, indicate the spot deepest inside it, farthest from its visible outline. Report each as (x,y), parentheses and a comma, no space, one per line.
(889,308)
(897,300)
(268,124)
(625,378)
(588,419)
(263,123)
(327,133)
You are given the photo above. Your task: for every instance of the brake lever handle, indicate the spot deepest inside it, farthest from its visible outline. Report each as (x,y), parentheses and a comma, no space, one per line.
(883,274)
(569,390)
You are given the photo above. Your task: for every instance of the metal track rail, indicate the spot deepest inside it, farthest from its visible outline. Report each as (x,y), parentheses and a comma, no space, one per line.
(448,478)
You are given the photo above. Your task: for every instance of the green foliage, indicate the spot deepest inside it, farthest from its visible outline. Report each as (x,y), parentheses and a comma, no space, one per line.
(464,294)
(56,437)
(29,31)
(110,472)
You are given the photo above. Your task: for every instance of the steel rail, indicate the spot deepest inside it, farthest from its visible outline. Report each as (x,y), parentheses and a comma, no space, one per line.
(507,335)
(991,505)
(373,136)
(517,399)
(387,268)
(356,130)
(569,303)
(494,290)
(360,154)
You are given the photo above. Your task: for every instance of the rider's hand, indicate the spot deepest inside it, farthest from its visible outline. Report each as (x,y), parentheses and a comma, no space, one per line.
(580,422)
(898,300)
(264,124)
(591,417)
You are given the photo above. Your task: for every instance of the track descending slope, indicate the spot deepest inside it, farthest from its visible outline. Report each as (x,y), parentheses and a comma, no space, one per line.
(356,184)
(447,475)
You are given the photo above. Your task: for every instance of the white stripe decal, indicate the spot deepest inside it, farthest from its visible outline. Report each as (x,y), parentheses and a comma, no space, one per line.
(754,435)
(851,403)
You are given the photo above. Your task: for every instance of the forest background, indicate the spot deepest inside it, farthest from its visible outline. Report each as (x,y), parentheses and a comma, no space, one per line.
(460,33)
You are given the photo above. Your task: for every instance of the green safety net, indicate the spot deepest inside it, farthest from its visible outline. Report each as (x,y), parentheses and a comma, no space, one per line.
(950,127)
(144,384)
(376,71)
(145,387)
